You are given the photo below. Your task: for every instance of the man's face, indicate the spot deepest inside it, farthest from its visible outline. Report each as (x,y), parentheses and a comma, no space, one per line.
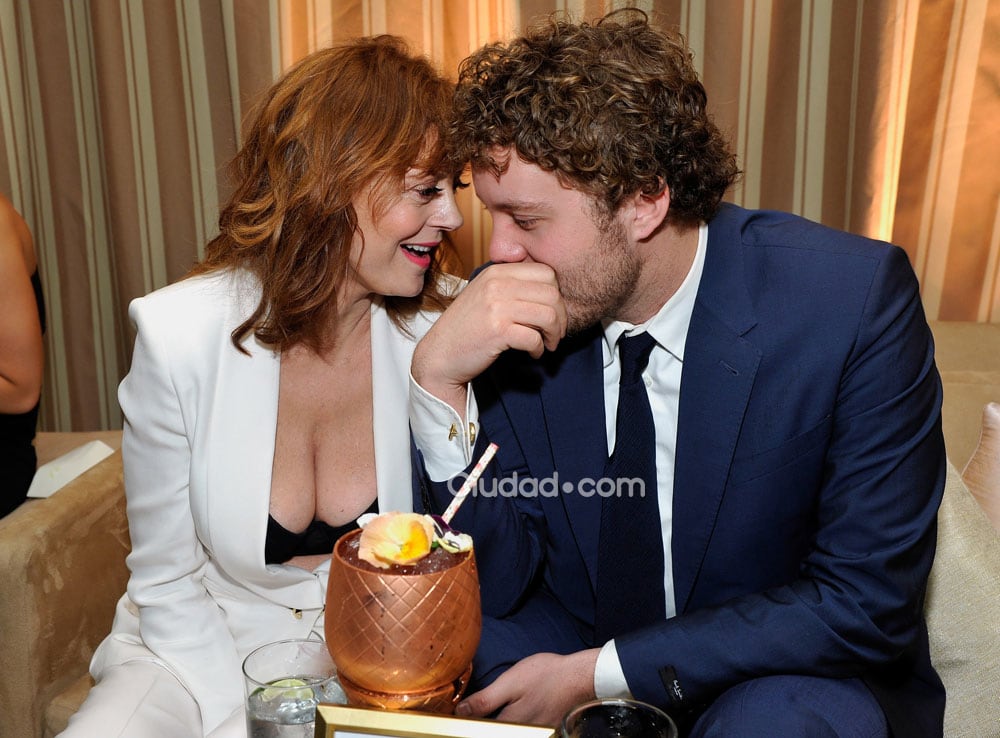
(535,218)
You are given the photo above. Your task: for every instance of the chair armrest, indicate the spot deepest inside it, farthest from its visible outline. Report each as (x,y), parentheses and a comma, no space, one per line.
(62,569)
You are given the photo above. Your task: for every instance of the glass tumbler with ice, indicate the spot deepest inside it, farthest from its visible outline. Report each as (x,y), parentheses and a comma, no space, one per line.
(284,683)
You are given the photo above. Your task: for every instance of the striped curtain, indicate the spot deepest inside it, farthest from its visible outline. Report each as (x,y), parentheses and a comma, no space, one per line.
(117,118)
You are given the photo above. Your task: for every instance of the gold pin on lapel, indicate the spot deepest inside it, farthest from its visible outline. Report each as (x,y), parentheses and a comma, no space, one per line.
(472,432)
(452,432)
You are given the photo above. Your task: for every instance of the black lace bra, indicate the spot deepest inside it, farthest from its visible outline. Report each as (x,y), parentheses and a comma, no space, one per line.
(281,544)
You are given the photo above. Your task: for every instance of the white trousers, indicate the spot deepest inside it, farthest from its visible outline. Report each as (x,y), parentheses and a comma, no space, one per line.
(139,699)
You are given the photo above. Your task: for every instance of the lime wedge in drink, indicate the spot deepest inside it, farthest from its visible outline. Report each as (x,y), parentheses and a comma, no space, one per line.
(280,688)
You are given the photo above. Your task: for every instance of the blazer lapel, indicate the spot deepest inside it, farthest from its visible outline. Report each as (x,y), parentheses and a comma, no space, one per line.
(720,366)
(245,413)
(572,399)
(391,355)
(718,374)
(243,419)
(235,452)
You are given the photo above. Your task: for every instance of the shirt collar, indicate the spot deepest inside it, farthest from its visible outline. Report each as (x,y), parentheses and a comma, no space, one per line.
(669,326)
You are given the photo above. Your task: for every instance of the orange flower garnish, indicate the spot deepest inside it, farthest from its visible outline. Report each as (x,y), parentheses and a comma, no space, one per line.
(396,538)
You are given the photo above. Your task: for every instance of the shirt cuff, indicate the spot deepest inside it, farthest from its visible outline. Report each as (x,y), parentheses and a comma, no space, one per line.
(445,441)
(609,679)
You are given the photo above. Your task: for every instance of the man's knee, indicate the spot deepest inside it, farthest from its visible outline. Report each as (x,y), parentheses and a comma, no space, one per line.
(788,705)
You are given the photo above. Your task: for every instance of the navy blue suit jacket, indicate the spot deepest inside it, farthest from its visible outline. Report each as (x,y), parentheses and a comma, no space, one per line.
(809,468)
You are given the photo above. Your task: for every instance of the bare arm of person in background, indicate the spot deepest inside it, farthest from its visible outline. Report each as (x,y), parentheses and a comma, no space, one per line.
(21,351)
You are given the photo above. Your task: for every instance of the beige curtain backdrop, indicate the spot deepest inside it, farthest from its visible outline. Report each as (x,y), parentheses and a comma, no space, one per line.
(117,118)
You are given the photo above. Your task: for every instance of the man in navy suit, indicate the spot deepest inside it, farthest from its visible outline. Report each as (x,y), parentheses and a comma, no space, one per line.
(786,420)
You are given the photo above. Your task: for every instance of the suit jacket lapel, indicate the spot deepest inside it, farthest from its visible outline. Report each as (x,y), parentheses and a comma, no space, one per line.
(573,408)
(720,366)
(718,375)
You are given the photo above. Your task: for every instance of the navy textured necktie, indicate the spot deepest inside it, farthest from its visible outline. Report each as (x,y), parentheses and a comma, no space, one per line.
(630,557)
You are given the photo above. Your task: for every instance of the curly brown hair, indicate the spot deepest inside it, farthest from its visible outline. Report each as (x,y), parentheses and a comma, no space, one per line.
(613,107)
(344,118)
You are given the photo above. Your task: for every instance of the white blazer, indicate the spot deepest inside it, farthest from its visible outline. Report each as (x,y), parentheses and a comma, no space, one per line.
(198,445)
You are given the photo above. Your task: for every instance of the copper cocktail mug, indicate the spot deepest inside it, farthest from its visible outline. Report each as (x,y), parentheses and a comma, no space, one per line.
(400,640)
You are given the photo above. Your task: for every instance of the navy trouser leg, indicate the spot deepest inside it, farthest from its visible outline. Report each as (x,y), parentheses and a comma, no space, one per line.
(794,706)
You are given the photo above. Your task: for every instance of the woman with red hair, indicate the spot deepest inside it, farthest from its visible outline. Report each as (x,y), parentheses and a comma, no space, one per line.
(266,405)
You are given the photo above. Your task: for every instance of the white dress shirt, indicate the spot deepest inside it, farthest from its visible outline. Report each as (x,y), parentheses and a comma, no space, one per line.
(446,442)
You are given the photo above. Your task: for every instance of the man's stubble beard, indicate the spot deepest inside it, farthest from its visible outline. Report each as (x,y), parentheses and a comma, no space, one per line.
(598,291)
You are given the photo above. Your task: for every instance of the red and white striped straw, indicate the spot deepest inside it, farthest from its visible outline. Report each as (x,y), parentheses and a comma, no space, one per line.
(470,482)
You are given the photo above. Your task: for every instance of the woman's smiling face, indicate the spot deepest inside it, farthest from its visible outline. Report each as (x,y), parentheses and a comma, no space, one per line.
(393,248)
